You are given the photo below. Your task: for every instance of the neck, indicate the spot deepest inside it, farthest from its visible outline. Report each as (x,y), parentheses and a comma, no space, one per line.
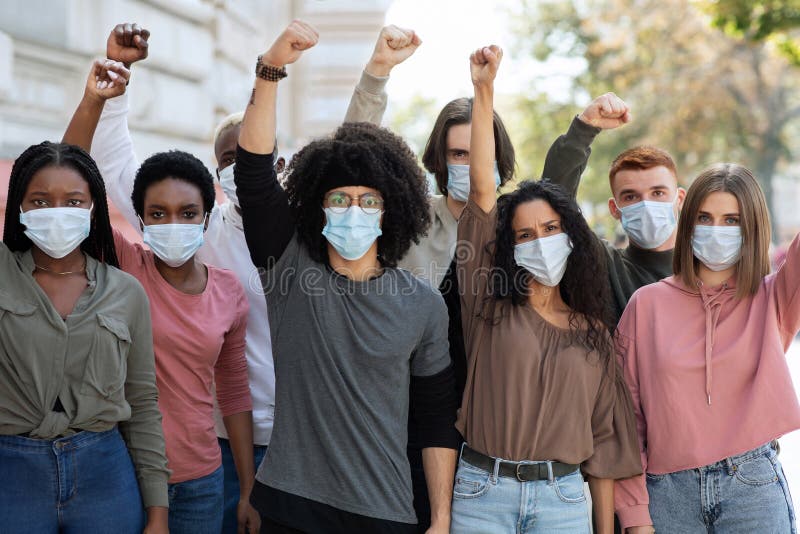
(714,278)
(360,270)
(545,298)
(455,207)
(179,274)
(72,262)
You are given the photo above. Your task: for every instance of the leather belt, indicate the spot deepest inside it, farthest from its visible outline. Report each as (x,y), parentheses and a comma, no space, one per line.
(522,471)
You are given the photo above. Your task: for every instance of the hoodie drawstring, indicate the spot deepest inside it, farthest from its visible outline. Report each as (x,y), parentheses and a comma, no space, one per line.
(713,306)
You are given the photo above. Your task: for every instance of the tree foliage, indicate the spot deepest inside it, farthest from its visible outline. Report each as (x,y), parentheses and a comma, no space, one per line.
(700,94)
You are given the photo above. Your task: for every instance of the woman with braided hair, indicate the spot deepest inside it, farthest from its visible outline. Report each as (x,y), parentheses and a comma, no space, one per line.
(80,423)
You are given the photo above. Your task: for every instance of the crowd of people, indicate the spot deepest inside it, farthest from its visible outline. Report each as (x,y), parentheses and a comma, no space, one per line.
(335,350)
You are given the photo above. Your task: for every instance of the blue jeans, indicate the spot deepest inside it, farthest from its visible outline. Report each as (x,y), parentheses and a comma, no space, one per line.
(745,493)
(195,506)
(229,522)
(485,503)
(81,483)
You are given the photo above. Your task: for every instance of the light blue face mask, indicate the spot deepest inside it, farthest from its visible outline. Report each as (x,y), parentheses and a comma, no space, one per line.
(174,244)
(458,181)
(649,224)
(351,232)
(545,258)
(718,247)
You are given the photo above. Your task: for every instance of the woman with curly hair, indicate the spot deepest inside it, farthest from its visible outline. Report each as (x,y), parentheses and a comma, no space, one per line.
(544,401)
(79,422)
(356,340)
(199,319)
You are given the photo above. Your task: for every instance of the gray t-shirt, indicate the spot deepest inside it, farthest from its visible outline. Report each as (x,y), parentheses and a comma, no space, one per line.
(344,355)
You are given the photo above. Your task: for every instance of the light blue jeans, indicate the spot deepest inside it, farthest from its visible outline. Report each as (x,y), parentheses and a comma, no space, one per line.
(741,494)
(485,503)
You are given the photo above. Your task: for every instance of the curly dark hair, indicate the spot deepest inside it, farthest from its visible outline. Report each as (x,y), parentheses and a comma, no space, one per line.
(584,287)
(360,153)
(100,243)
(173,164)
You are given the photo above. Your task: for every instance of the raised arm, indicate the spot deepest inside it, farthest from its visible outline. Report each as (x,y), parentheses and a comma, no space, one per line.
(268,221)
(483,65)
(568,155)
(110,140)
(394,46)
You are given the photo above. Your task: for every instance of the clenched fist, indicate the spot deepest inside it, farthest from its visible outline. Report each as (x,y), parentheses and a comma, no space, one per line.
(394,46)
(606,112)
(483,64)
(289,46)
(107,79)
(127,43)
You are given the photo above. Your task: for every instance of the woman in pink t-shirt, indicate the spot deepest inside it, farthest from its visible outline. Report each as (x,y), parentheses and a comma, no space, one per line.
(199,315)
(703,353)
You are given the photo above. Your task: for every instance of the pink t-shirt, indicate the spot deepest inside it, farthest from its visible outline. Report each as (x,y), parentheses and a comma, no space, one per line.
(707,372)
(199,342)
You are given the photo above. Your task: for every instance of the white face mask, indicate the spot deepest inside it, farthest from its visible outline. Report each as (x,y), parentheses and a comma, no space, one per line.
(458,181)
(227,184)
(649,224)
(545,258)
(718,247)
(57,231)
(174,244)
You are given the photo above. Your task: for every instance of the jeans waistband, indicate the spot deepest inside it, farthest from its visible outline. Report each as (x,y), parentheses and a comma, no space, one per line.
(76,441)
(737,459)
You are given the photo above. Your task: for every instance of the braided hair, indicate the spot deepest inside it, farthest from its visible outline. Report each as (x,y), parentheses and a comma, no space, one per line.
(100,243)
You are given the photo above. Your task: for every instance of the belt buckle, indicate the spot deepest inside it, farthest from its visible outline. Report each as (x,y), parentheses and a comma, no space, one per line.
(516,473)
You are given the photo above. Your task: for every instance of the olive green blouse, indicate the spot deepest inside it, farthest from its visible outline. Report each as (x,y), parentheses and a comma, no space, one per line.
(98,362)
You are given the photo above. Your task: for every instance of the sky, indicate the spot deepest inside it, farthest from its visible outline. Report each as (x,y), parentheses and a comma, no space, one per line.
(450,30)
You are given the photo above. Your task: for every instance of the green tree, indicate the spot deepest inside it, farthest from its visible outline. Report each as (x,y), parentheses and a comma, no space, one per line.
(694,91)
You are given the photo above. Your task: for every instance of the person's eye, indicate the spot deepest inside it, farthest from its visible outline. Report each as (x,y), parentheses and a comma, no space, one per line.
(658,194)
(733,221)
(551,228)
(703,218)
(156,214)
(629,198)
(39,203)
(189,214)
(74,202)
(371,201)
(338,201)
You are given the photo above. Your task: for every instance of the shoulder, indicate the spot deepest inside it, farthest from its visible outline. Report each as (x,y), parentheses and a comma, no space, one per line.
(125,284)
(420,290)
(226,279)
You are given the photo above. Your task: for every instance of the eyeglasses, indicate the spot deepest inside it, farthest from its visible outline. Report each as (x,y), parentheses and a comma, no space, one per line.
(339,201)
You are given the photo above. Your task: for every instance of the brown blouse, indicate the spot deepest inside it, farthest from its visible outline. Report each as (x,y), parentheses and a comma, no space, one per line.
(533,393)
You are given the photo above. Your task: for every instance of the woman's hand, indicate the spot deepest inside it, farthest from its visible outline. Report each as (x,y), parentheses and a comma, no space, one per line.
(483,65)
(107,79)
(247,517)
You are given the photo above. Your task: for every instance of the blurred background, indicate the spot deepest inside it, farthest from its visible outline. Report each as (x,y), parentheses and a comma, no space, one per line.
(707,80)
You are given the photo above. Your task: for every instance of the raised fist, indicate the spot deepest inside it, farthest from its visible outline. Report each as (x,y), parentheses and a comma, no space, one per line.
(287,48)
(107,79)
(127,43)
(606,112)
(394,46)
(483,64)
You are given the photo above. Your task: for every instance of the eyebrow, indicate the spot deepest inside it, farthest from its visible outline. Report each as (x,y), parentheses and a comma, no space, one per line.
(735,214)
(655,187)
(45,193)
(458,150)
(546,223)
(159,206)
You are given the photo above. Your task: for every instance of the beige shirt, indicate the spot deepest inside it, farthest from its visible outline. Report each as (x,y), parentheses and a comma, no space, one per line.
(98,362)
(431,258)
(533,393)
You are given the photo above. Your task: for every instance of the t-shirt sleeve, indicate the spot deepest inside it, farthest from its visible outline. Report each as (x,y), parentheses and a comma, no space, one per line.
(631,499)
(476,231)
(230,371)
(129,254)
(433,352)
(368,102)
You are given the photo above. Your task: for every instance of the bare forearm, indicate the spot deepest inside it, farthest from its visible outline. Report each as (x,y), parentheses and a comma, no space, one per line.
(602,504)
(84,122)
(258,126)
(439,465)
(240,433)
(481,152)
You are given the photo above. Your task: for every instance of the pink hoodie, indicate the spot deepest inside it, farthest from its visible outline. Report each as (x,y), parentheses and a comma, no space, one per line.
(707,373)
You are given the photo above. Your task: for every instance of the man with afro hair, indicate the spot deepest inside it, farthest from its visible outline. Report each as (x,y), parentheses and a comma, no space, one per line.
(356,341)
